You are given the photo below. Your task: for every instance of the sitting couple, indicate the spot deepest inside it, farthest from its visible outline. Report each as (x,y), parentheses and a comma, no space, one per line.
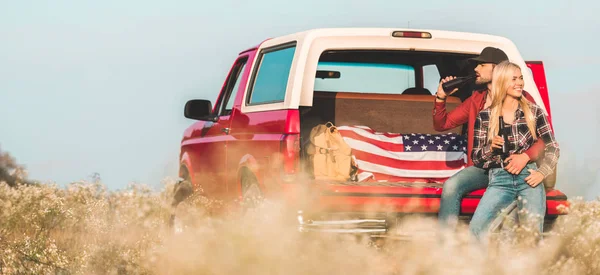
(507,178)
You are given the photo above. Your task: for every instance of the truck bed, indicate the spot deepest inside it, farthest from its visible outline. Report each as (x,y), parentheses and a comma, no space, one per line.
(387,194)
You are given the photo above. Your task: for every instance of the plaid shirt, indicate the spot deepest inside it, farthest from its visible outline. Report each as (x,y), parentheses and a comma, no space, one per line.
(467,112)
(484,157)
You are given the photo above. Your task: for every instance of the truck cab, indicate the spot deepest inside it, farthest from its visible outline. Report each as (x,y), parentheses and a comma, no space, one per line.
(252,140)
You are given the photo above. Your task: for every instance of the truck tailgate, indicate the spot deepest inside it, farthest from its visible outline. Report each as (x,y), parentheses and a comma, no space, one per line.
(401,197)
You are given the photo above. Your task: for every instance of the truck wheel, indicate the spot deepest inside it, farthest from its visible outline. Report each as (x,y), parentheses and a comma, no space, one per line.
(549,224)
(181,191)
(251,193)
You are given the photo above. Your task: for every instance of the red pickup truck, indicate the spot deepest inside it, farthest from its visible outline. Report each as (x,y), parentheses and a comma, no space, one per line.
(251,142)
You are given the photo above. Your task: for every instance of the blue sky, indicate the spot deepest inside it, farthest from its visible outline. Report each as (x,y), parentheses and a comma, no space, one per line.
(100,86)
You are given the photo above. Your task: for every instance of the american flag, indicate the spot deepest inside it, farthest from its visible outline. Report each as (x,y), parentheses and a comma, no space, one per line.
(405,157)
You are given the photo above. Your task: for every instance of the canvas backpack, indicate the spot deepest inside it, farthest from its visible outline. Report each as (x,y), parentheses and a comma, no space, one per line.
(331,157)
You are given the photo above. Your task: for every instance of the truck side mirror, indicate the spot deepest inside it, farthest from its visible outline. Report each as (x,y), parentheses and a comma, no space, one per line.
(198,109)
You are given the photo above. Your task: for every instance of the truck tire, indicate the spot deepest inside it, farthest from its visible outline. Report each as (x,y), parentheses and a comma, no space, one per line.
(252,196)
(181,191)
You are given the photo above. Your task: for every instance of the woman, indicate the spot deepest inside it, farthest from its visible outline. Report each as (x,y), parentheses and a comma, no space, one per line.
(524,123)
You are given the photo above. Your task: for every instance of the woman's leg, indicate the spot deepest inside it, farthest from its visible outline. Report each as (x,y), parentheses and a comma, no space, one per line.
(532,201)
(499,194)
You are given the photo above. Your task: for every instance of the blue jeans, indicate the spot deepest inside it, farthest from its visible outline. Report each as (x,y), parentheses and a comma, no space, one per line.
(504,188)
(455,189)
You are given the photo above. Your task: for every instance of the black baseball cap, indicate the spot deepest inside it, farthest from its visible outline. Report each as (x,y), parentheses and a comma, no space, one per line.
(490,55)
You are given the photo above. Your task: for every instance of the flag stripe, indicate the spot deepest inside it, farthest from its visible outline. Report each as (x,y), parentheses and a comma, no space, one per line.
(388,146)
(369,133)
(385,177)
(409,164)
(376,168)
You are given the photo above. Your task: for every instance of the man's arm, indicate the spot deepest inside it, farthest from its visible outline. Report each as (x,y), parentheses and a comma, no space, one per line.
(444,120)
(552,151)
(535,150)
(516,162)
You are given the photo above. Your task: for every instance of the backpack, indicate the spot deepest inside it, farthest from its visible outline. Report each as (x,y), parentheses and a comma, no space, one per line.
(331,157)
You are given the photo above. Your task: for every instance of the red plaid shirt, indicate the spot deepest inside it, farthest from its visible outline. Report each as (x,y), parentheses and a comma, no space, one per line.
(521,139)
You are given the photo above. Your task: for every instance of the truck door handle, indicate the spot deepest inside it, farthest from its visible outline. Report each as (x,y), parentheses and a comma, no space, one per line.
(225,130)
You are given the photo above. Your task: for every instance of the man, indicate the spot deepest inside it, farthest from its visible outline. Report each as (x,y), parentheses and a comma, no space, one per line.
(473,178)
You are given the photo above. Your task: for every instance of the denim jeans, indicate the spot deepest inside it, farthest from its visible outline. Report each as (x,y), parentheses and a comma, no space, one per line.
(455,189)
(503,189)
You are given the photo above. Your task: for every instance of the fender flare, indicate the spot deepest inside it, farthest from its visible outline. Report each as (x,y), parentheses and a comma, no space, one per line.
(186,163)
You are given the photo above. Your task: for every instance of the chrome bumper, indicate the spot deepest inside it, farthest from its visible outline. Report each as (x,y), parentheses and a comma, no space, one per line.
(351,226)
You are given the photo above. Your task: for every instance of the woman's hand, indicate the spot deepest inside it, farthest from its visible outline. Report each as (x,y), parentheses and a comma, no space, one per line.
(497,142)
(534,178)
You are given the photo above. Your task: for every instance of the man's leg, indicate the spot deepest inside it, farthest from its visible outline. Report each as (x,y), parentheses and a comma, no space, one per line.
(500,194)
(455,188)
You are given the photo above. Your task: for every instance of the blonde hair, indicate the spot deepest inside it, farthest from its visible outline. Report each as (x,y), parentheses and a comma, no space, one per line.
(501,82)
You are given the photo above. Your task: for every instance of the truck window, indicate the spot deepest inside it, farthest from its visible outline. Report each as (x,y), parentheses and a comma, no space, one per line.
(431,78)
(389,71)
(270,82)
(225,102)
(366,78)
(232,94)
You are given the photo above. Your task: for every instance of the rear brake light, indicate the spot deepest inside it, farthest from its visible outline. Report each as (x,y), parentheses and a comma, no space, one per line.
(290,151)
(411,34)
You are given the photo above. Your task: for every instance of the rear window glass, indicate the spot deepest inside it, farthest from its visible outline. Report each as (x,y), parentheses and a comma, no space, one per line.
(366,78)
(431,78)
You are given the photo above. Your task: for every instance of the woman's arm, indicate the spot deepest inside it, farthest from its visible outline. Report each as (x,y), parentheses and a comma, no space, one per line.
(535,151)
(482,151)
